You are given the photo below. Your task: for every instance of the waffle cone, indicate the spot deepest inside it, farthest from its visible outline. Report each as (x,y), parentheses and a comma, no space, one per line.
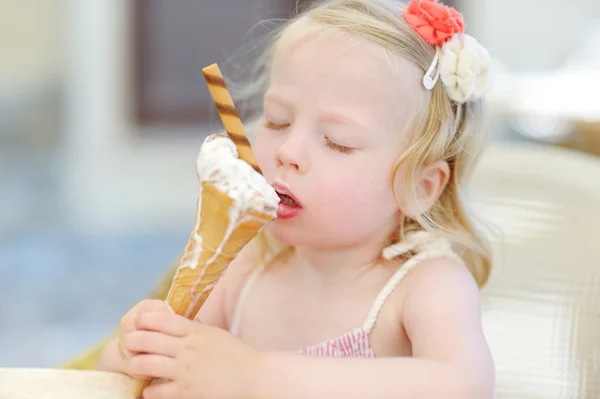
(219,236)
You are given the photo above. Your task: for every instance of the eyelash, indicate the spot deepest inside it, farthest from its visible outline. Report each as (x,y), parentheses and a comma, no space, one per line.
(275,126)
(338,147)
(329,144)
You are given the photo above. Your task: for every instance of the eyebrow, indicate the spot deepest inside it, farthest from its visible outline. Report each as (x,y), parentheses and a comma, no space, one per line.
(278,99)
(329,116)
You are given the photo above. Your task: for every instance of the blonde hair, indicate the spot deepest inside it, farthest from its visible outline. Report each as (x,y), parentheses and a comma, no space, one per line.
(443,131)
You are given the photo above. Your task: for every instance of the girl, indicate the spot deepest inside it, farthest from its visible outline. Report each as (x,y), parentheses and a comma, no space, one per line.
(367,283)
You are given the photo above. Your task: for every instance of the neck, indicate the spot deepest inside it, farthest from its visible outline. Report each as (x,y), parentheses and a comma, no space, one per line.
(328,267)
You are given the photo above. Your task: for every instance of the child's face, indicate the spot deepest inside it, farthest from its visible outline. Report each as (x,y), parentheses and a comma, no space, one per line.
(334,116)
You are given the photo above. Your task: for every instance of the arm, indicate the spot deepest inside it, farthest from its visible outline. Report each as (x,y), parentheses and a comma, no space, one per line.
(451,359)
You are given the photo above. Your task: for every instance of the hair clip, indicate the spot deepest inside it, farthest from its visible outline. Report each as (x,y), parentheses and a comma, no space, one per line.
(429,80)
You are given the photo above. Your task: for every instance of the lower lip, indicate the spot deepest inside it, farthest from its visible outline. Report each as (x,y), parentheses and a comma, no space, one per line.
(287,212)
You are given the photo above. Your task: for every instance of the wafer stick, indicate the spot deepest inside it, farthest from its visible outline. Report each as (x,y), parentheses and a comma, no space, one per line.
(229,115)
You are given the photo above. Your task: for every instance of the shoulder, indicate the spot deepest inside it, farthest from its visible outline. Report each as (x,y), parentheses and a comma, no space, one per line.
(220,305)
(441,314)
(441,285)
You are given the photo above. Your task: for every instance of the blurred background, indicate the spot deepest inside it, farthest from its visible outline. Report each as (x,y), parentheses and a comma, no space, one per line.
(103,108)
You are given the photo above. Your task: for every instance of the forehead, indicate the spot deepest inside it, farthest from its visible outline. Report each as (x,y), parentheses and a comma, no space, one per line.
(339,71)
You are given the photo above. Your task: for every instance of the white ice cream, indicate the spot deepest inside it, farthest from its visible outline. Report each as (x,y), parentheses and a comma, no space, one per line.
(219,164)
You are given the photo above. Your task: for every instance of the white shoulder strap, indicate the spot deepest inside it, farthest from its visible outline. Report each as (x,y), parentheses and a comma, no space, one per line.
(432,249)
(237,315)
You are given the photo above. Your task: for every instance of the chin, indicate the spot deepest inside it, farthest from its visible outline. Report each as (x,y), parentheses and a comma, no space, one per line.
(293,236)
(286,235)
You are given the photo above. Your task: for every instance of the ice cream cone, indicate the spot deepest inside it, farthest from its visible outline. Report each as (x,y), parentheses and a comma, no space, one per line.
(223,230)
(235,203)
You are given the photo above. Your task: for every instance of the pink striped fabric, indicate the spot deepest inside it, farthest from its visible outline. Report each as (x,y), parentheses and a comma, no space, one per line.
(354,343)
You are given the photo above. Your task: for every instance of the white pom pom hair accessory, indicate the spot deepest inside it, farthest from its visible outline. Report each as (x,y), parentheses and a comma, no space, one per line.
(463,65)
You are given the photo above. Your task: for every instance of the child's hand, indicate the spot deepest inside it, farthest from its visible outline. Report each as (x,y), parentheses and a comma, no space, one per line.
(128,330)
(194,360)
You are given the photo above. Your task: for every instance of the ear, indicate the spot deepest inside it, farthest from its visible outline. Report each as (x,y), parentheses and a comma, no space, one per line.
(432,182)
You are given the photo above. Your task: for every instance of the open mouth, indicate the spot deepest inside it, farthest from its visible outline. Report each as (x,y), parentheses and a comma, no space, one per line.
(287,200)
(289,206)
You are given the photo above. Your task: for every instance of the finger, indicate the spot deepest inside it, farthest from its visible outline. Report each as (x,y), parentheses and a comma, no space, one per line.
(167,323)
(147,305)
(142,341)
(146,366)
(151,305)
(122,346)
(165,390)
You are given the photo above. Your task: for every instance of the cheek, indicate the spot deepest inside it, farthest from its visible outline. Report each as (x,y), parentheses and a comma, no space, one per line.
(352,209)
(264,149)
(367,191)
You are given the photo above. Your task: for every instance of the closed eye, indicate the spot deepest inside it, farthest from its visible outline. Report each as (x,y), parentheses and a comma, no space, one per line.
(276,126)
(338,147)
(328,143)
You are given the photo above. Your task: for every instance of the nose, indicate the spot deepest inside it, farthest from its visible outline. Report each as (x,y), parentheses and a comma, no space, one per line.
(292,153)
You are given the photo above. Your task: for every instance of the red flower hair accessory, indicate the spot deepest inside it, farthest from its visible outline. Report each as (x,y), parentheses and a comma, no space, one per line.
(433,21)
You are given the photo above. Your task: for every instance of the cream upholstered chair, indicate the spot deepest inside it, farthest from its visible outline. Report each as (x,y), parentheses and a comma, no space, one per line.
(541,308)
